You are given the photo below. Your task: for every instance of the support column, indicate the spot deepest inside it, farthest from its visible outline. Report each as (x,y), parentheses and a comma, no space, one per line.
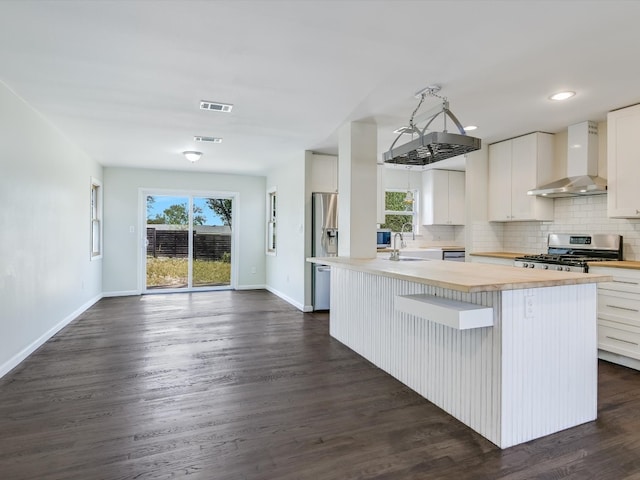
(357,151)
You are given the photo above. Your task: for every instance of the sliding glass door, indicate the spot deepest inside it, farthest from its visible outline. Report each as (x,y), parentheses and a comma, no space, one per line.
(188,242)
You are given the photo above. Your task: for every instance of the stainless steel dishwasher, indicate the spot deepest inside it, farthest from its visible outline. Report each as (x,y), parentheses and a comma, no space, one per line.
(453,255)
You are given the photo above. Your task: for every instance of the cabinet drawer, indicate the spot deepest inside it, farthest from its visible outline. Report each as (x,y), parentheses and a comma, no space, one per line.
(619,307)
(622,284)
(620,339)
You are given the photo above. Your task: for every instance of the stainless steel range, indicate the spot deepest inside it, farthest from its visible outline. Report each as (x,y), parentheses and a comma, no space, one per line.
(573,252)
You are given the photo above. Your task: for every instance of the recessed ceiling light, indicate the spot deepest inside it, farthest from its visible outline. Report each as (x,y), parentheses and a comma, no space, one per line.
(404,130)
(215,106)
(470,128)
(562,95)
(192,156)
(199,138)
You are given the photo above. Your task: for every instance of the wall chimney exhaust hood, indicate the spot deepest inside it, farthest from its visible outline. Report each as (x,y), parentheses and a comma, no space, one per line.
(582,166)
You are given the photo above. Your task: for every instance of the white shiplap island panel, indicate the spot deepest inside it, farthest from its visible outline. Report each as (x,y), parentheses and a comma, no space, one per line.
(534,372)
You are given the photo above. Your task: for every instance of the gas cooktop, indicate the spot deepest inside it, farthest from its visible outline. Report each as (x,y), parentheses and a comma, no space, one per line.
(573,253)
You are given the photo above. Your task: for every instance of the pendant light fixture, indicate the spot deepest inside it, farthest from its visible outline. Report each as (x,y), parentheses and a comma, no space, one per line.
(408,199)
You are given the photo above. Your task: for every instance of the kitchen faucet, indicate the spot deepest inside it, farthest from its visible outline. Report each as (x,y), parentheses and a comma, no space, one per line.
(413,232)
(395,254)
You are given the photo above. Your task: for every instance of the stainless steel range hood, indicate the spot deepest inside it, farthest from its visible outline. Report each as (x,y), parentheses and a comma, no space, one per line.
(433,146)
(582,166)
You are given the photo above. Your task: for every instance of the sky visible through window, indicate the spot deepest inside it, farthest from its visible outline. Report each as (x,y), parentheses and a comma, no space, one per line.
(163,202)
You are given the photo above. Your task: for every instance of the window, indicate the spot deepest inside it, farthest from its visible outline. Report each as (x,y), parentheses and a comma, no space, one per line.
(271,221)
(96,219)
(400,209)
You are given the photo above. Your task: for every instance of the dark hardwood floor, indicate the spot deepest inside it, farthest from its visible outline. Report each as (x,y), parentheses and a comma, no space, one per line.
(240,385)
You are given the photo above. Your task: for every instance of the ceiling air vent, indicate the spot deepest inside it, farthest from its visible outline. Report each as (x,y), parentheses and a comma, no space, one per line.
(207,139)
(215,106)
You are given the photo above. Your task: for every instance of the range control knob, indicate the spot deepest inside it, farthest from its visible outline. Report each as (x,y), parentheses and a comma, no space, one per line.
(545,267)
(525,265)
(567,269)
(559,268)
(532,265)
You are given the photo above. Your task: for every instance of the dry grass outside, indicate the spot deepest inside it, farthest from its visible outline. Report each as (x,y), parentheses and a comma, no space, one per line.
(172,273)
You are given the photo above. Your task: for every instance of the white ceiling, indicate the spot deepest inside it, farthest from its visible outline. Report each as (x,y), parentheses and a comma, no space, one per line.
(123,79)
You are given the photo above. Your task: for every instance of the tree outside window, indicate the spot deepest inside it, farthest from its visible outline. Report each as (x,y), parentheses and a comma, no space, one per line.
(399,211)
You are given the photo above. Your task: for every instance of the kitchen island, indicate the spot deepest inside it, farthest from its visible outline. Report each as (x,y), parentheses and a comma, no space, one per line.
(512,353)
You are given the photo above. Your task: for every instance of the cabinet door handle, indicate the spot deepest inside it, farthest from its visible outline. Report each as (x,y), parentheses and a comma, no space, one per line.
(621,340)
(623,308)
(625,282)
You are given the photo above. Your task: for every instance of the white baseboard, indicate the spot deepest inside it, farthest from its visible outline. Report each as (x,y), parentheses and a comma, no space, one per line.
(250,287)
(298,305)
(619,359)
(14,361)
(122,293)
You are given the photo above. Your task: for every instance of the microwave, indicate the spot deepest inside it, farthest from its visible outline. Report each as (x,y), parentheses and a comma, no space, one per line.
(384,238)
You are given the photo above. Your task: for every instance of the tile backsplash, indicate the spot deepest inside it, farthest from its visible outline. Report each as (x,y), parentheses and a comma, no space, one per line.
(571,215)
(436,235)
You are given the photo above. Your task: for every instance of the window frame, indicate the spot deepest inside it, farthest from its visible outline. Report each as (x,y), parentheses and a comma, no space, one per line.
(271,222)
(95,220)
(414,212)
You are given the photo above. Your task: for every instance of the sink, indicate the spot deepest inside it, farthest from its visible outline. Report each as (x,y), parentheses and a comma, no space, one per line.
(409,259)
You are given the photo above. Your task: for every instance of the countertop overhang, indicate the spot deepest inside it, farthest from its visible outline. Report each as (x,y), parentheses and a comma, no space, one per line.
(462,276)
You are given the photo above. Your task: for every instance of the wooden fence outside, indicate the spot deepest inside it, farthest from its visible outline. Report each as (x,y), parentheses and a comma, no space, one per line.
(175,244)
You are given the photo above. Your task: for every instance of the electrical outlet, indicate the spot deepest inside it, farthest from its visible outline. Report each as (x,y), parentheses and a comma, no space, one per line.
(528,306)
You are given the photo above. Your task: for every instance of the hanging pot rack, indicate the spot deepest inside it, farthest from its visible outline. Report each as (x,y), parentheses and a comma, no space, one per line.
(433,146)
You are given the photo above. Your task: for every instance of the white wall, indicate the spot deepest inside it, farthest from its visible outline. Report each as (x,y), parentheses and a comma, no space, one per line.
(122,209)
(287,272)
(46,275)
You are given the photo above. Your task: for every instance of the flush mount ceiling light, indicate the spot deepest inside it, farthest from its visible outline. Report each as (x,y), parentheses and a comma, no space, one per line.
(192,156)
(433,146)
(470,128)
(215,106)
(562,95)
(199,138)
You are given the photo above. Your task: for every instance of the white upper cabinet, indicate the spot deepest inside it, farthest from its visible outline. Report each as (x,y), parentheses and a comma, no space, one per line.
(516,166)
(324,173)
(443,200)
(623,162)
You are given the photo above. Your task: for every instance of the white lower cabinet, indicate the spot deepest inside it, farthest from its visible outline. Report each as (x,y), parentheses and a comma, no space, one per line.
(619,316)
(492,260)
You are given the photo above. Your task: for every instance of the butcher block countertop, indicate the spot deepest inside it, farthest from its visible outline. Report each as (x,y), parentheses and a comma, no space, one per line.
(462,276)
(634,265)
(507,255)
(617,264)
(445,248)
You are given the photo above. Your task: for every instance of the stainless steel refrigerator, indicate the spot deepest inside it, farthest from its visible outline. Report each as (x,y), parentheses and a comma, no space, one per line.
(324,243)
